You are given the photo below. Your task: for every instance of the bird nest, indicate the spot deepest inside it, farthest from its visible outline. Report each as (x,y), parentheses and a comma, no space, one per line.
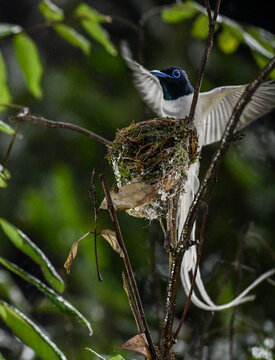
(157,152)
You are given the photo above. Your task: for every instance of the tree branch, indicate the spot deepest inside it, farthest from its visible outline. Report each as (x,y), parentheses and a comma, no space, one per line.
(128,267)
(208,47)
(63,125)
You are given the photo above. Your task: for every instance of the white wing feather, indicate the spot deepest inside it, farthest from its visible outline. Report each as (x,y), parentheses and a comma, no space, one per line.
(146,83)
(217,105)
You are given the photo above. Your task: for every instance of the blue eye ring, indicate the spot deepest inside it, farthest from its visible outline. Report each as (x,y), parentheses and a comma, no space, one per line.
(176,74)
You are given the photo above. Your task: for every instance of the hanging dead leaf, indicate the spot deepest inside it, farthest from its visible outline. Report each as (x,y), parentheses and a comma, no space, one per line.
(110,236)
(131,196)
(73,253)
(139,345)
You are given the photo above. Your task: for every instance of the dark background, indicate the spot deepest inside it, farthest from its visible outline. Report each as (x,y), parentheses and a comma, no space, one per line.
(48,197)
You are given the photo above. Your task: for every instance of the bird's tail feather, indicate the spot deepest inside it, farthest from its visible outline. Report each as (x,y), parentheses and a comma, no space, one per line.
(190,256)
(206,303)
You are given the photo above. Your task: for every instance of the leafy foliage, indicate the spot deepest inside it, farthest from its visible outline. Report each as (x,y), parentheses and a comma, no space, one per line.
(30,333)
(91,23)
(29,61)
(232,33)
(22,242)
(57,300)
(5,96)
(50,201)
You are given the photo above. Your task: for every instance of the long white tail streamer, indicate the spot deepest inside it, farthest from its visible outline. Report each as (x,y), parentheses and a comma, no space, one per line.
(190,256)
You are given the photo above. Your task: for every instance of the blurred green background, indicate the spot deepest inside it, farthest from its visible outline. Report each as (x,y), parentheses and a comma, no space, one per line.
(48,198)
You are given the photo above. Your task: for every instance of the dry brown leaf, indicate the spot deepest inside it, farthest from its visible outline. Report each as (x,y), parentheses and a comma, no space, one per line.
(73,253)
(131,196)
(139,345)
(110,236)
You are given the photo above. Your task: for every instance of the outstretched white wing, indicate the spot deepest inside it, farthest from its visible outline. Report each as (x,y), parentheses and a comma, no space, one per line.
(217,105)
(146,83)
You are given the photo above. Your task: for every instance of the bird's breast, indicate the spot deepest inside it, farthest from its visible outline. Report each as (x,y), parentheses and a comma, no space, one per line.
(178,108)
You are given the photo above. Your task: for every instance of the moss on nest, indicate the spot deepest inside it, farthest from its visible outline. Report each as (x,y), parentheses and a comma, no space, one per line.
(158,151)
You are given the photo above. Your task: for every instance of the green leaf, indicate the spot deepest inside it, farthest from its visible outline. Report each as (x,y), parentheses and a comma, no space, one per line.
(6,128)
(87,13)
(23,243)
(51,11)
(54,13)
(200,27)
(30,333)
(5,96)
(264,37)
(9,29)
(243,36)
(4,177)
(57,300)
(179,12)
(29,61)
(73,37)
(91,20)
(227,42)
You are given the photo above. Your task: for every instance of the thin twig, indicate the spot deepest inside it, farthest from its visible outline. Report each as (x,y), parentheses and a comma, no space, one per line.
(128,267)
(92,193)
(155,275)
(5,163)
(188,301)
(132,304)
(208,47)
(170,307)
(23,111)
(205,187)
(64,125)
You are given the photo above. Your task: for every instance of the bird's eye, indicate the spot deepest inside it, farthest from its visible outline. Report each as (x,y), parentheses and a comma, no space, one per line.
(176,73)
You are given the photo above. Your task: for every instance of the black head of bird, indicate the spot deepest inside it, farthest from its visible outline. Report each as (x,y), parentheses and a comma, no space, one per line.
(174,82)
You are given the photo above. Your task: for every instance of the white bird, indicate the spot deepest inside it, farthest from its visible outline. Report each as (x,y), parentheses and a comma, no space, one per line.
(169,93)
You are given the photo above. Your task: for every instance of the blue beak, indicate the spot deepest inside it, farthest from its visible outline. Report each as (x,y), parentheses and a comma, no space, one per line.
(160,74)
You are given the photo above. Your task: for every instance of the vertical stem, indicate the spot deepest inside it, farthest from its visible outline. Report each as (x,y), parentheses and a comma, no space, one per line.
(155,275)
(5,164)
(129,269)
(169,313)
